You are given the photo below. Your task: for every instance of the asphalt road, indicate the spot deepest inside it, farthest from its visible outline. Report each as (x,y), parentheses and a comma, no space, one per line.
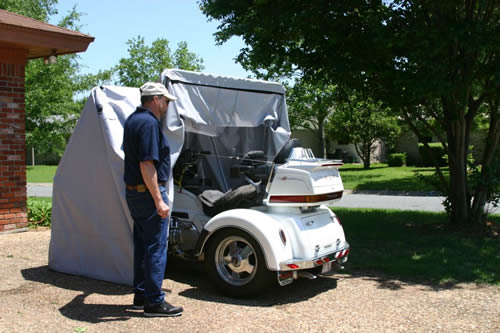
(403,202)
(39,189)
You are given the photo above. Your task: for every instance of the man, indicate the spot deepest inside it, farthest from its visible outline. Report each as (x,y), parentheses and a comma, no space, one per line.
(147,171)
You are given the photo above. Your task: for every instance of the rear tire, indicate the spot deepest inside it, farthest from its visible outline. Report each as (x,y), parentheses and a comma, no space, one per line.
(236,265)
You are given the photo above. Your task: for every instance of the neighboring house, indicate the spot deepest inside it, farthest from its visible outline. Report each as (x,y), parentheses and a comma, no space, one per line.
(408,143)
(335,149)
(477,140)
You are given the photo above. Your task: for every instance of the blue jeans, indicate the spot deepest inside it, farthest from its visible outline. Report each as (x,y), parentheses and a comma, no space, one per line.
(150,245)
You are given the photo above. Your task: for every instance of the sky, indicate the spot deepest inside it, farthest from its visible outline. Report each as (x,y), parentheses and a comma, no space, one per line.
(113,22)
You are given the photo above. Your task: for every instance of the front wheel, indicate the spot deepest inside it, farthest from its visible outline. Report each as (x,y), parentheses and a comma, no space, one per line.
(236,265)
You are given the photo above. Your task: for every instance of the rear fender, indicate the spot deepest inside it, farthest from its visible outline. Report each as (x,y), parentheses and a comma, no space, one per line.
(263,228)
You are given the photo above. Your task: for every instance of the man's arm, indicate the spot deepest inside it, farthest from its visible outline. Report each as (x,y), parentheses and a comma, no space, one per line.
(150,178)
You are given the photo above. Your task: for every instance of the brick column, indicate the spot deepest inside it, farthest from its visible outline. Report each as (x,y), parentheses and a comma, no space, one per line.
(12,140)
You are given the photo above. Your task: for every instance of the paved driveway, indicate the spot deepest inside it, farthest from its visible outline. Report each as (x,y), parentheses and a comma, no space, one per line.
(36,299)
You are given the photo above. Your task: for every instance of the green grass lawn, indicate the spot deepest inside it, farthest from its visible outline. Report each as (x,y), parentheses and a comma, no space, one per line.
(417,247)
(384,178)
(40,173)
(42,199)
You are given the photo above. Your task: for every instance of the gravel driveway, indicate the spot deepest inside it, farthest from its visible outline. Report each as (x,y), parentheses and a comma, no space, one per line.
(35,299)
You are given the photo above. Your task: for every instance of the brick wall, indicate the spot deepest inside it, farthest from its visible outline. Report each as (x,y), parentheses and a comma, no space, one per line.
(12,142)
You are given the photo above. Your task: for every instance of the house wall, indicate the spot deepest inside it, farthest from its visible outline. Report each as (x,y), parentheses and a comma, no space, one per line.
(13,213)
(477,139)
(408,143)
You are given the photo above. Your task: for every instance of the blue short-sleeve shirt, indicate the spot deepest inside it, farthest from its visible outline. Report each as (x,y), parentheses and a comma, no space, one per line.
(143,140)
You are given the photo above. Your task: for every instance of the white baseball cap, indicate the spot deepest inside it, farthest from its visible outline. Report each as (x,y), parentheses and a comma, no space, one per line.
(156,89)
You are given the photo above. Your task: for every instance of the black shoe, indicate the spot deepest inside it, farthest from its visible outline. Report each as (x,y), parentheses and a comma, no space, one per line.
(162,310)
(138,302)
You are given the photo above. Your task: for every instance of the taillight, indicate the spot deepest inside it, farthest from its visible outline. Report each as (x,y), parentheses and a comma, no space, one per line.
(342,253)
(338,220)
(305,198)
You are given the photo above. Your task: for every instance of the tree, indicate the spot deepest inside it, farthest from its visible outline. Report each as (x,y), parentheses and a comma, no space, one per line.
(428,60)
(37,9)
(363,122)
(145,63)
(51,108)
(309,107)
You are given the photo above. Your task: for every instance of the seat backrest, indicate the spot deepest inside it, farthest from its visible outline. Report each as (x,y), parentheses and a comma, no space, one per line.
(215,202)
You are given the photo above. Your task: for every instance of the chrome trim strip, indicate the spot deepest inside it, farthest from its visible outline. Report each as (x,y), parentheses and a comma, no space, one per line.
(311,263)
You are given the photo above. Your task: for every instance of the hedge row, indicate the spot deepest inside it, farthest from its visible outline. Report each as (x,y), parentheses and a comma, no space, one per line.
(435,151)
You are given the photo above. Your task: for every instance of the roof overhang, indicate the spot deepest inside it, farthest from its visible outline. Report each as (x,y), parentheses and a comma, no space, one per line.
(40,39)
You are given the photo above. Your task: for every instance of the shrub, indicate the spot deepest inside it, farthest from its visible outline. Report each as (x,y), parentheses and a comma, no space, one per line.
(411,160)
(434,152)
(39,213)
(396,159)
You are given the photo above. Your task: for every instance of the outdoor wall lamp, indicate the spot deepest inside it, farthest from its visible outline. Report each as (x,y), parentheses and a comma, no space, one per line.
(52,59)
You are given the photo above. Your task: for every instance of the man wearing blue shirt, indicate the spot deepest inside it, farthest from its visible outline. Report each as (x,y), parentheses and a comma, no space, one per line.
(147,170)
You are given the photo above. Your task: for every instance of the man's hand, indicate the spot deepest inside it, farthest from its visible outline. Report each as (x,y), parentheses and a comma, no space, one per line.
(162,209)
(149,176)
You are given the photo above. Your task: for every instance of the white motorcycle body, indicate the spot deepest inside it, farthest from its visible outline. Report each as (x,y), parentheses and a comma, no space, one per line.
(298,234)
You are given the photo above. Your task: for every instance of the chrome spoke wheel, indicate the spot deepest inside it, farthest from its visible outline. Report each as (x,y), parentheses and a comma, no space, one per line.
(236,260)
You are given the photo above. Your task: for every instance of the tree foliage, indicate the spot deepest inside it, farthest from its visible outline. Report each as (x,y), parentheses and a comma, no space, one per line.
(50,109)
(145,63)
(430,61)
(309,106)
(363,122)
(37,9)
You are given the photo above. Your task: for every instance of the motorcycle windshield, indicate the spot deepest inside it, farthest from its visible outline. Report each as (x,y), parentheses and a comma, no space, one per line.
(224,118)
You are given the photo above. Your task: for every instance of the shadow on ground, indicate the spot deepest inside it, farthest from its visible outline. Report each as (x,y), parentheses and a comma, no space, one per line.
(193,274)
(77,309)
(183,272)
